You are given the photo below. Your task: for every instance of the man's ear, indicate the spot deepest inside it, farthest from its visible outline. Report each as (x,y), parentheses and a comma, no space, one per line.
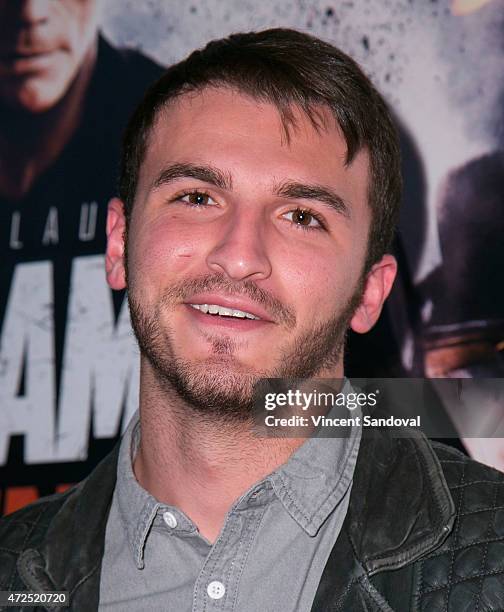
(379,281)
(114,257)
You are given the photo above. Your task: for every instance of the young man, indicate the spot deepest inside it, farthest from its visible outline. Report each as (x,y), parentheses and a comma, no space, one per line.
(259,193)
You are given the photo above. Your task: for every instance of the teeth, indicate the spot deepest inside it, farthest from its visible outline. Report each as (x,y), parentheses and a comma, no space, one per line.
(223,312)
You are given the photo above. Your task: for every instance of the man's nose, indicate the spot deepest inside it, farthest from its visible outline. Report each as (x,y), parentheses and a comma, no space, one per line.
(33,12)
(241,250)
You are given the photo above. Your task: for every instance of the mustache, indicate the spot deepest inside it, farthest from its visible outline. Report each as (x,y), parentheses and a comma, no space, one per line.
(280,312)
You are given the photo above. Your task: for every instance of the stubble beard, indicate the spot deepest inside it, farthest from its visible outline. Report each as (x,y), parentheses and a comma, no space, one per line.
(222,389)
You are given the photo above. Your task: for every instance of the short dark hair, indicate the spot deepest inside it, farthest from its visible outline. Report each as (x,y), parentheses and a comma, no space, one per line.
(285,68)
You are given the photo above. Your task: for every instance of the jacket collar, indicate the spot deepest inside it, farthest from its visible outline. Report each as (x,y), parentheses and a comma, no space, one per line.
(400,509)
(69,556)
(400,506)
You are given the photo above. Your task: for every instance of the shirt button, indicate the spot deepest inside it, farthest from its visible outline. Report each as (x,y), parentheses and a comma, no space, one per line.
(169,519)
(216,589)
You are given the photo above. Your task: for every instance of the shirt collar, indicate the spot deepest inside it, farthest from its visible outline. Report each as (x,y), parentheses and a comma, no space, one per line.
(310,485)
(137,507)
(316,477)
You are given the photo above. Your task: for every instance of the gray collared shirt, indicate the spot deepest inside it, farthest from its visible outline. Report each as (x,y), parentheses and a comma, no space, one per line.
(269,555)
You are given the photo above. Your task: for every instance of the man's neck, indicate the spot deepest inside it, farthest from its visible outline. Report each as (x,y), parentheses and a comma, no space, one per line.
(199,466)
(30,143)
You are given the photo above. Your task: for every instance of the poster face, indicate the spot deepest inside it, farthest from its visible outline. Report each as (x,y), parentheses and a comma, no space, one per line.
(68,360)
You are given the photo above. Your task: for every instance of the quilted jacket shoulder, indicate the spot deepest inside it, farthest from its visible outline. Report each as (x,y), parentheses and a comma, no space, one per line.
(463,572)
(467,571)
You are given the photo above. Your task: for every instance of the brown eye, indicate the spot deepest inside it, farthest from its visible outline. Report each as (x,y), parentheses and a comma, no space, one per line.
(303,218)
(197,199)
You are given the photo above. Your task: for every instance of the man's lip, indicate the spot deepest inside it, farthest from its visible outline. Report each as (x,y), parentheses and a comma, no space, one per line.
(227,301)
(25,54)
(13,65)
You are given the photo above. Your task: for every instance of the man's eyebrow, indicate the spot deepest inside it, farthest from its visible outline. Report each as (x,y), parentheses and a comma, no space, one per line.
(205,173)
(292,189)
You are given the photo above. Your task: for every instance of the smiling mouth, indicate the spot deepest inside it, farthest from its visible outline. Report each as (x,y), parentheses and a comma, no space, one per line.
(221,311)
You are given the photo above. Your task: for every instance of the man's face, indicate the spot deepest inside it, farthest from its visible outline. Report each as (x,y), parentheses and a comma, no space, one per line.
(42,45)
(230,215)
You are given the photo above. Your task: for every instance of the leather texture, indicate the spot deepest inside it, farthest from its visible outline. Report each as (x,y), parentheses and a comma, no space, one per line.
(467,571)
(424,532)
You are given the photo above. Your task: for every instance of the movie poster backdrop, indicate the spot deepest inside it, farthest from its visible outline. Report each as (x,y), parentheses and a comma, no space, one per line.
(68,360)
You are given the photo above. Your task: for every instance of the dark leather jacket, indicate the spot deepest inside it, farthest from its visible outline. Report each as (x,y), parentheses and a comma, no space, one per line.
(424,531)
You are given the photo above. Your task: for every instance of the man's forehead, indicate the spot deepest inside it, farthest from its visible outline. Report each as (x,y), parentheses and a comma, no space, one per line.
(215,125)
(222,104)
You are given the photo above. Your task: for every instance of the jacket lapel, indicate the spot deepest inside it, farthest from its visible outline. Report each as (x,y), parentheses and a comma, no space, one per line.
(400,506)
(400,509)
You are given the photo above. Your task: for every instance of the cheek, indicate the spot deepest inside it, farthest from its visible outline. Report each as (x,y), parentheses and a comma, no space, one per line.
(307,276)
(317,283)
(165,249)
(77,23)
(42,91)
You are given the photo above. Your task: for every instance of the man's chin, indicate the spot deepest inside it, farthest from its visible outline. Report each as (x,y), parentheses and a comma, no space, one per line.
(224,371)
(32,95)
(220,388)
